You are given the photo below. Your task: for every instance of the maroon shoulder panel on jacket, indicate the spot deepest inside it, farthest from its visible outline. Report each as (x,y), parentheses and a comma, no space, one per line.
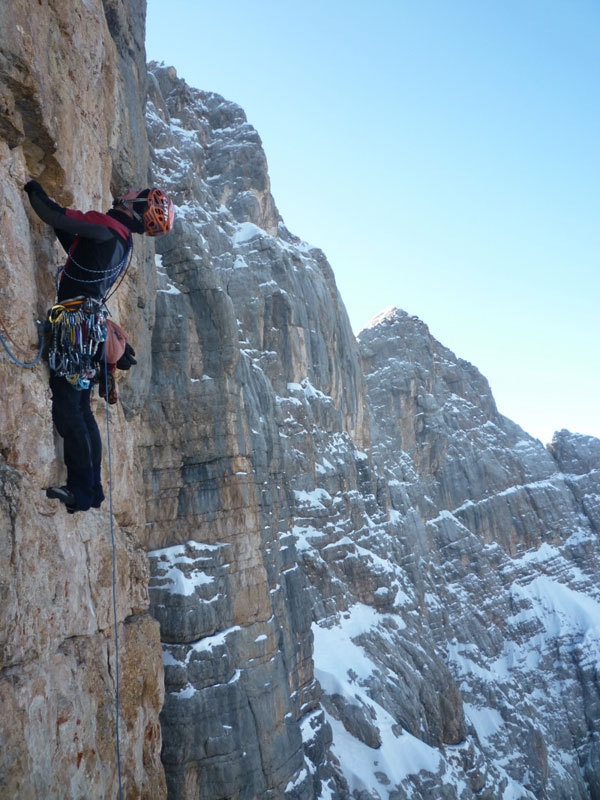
(97,218)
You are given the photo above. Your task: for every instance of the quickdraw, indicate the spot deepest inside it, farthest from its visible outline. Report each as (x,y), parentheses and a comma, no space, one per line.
(77,329)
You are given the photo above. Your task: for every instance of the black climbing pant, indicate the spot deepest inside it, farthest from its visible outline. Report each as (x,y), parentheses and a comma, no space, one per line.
(75,422)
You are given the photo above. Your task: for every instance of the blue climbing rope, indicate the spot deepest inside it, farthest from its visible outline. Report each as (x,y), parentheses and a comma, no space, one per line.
(18,361)
(114,586)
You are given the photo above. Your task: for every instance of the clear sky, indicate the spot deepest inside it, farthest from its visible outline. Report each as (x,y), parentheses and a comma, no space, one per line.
(445,155)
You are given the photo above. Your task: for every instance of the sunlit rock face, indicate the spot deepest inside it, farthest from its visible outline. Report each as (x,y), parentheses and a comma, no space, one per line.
(364,581)
(508,560)
(72,89)
(369,582)
(578,458)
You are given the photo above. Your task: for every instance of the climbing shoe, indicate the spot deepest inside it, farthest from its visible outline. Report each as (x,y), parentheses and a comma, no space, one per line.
(98,497)
(64,495)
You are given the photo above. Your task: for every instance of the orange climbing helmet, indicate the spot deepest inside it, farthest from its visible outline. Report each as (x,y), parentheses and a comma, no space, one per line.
(156,218)
(159,214)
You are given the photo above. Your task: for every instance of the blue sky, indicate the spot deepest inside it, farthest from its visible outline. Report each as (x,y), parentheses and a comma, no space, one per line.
(445,157)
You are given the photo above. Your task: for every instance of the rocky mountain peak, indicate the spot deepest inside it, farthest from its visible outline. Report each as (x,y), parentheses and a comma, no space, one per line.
(339,570)
(409,533)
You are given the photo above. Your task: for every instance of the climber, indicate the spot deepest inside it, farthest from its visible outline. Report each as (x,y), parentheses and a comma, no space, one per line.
(98,247)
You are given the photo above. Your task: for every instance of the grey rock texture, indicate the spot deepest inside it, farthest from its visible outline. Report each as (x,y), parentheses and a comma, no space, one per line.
(233,605)
(511,559)
(368,582)
(312,498)
(578,458)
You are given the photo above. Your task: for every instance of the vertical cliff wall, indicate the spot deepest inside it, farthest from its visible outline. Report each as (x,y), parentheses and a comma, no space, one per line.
(363,580)
(369,582)
(244,312)
(72,89)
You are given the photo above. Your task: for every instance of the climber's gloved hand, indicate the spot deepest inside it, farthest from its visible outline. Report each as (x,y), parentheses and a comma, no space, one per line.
(127,360)
(32,186)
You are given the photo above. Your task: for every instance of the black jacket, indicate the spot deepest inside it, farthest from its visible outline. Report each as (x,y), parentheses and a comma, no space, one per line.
(98,244)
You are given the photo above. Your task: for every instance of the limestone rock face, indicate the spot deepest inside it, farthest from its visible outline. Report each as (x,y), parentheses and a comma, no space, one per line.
(507,531)
(369,582)
(578,458)
(244,311)
(340,572)
(72,84)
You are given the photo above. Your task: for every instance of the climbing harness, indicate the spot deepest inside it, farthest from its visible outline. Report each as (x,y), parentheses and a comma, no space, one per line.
(79,326)
(77,329)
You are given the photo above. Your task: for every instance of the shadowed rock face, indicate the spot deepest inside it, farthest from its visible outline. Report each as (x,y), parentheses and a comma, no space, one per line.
(312,494)
(368,582)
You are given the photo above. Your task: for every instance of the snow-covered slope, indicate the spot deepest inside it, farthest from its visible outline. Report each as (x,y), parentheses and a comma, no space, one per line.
(370,583)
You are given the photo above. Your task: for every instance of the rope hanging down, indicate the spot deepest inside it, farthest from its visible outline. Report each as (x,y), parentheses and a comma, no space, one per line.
(4,333)
(114,588)
(112,537)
